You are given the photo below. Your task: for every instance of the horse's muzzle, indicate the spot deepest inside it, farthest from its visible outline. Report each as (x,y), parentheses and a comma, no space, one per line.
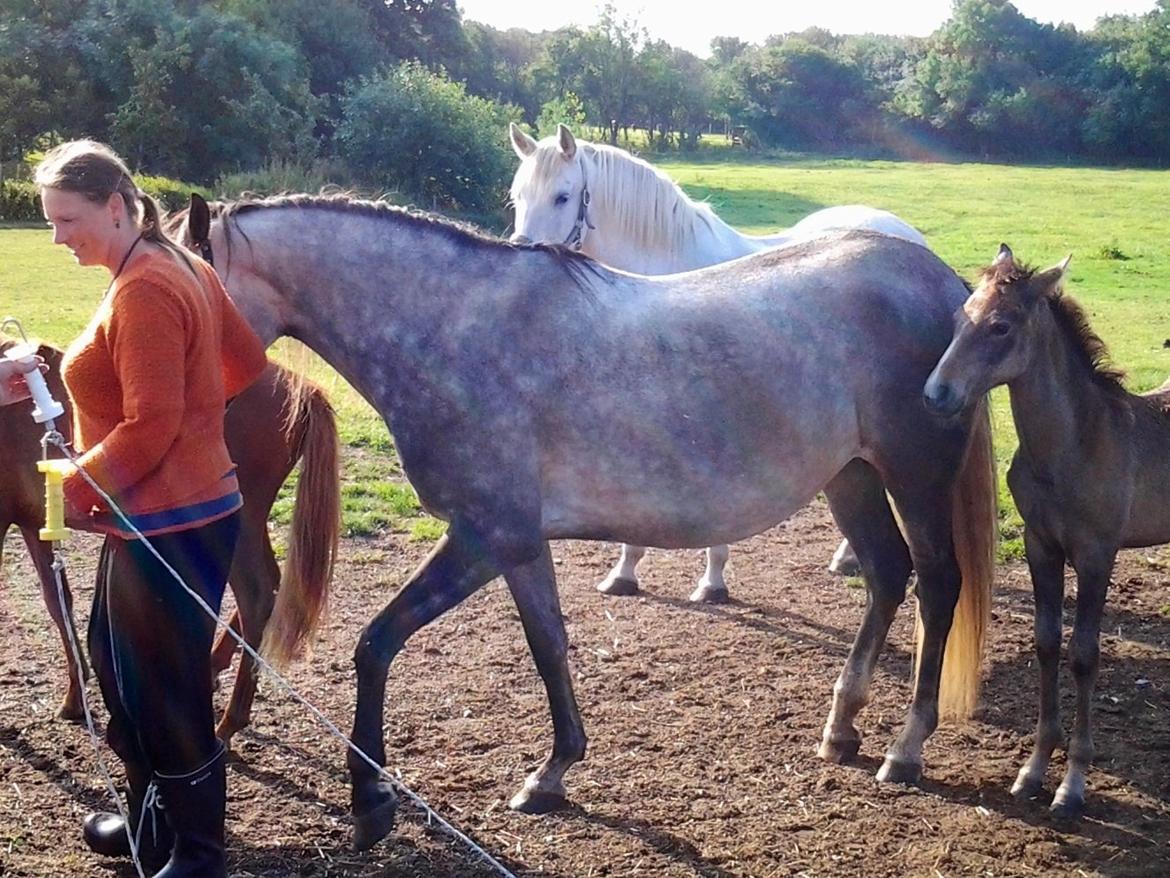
(941,399)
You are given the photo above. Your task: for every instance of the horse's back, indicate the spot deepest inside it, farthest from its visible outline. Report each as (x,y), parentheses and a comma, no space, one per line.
(859,217)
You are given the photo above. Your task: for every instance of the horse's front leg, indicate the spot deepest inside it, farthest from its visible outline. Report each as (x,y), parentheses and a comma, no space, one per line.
(1046,564)
(534,589)
(859,505)
(42,556)
(939,581)
(455,569)
(712,588)
(1084,653)
(622,580)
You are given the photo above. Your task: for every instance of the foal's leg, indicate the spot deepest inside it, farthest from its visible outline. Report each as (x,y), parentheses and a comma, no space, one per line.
(534,589)
(42,557)
(845,561)
(622,580)
(1046,563)
(712,588)
(1084,653)
(456,568)
(926,514)
(858,501)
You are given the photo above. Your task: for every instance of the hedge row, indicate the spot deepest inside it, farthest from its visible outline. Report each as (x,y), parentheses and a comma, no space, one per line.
(19,201)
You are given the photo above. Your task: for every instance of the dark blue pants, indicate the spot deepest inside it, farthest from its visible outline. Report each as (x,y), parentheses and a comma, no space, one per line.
(150,645)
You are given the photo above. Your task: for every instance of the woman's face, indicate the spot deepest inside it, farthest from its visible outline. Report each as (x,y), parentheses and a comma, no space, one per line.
(86,228)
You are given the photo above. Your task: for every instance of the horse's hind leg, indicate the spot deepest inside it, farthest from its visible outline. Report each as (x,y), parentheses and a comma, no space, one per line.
(712,588)
(927,515)
(858,501)
(456,568)
(534,589)
(622,580)
(1084,653)
(42,556)
(1046,563)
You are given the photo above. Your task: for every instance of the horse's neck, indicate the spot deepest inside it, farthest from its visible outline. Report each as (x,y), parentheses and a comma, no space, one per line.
(1058,407)
(648,225)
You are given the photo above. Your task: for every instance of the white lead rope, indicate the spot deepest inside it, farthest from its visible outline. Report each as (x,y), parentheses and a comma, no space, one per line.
(432,815)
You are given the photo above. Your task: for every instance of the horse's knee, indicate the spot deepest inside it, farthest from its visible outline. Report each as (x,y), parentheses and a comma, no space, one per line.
(1083,657)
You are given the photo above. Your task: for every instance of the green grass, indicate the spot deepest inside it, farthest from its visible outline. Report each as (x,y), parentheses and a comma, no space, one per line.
(1110,220)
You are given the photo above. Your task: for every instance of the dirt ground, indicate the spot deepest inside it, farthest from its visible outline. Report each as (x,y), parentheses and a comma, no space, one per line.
(703,724)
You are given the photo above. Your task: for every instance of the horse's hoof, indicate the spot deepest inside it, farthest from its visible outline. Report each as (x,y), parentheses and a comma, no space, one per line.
(844,562)
(1067,809)
(618,587)
(894,771)
(71,714)
(1027,787)
(706,594)
(374,824)
(839,751)
(537,802)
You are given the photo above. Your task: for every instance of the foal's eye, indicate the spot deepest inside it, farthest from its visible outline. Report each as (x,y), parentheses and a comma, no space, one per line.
(562,199)
(1000,328)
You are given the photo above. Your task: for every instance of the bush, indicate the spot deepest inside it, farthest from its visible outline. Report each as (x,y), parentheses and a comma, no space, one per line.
(279,176)
(419,132)
(20,202)
(561,111)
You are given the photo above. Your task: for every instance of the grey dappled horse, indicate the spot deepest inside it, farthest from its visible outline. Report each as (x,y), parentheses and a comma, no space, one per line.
(534,394)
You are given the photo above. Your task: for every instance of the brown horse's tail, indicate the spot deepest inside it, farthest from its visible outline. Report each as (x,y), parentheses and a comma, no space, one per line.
(316,524)
(976,528)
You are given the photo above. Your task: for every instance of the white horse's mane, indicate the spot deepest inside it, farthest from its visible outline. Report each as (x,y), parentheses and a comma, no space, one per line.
(649,209)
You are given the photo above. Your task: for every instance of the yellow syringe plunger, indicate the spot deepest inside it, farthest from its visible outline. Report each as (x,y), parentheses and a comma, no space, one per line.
(55,472)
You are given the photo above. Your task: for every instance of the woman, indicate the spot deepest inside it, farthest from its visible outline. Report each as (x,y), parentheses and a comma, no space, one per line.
(148,378)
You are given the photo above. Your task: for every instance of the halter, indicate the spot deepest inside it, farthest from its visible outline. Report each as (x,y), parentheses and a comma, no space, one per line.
(576,238)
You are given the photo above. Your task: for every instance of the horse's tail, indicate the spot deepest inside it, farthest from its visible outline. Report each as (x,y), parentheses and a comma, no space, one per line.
(975,528)
(316,525)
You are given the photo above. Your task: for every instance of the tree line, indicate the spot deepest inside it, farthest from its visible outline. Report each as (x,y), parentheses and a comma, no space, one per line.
(404,94)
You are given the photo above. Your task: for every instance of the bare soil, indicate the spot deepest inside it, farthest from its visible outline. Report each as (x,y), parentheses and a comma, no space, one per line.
(703,723)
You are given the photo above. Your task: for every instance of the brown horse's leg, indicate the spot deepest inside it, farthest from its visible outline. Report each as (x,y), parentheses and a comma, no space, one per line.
(225,646)
(927,515)
(455,569)
(42,556)
(254,578)
(534,589)
(858,501)
(1046,563)
(1084,652)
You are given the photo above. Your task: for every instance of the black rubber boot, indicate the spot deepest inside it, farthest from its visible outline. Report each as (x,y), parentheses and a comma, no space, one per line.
(195,804)
(105,832)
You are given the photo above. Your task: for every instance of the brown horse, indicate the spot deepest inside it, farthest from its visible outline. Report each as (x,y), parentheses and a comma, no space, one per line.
(1091,476)
(277,421)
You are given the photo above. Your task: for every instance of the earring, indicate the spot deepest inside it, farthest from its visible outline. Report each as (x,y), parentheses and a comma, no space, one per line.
(117,224)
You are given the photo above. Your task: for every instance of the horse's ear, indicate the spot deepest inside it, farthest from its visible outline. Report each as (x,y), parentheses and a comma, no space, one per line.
(198,218)
(1050,281)
(522,142)
(566,141)
(1004,256)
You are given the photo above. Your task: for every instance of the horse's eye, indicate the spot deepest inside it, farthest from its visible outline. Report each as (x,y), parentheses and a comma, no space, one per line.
(562,199)
(1000,328)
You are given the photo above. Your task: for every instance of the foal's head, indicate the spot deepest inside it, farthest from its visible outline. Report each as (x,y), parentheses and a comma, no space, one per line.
(549,189)
(994,330)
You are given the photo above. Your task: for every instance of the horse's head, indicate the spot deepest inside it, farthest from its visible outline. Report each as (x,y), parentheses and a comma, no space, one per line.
(205,229)
(991,344)
(550,191)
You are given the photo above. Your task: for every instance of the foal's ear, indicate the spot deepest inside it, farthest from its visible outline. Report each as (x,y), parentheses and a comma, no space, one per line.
(566,141)
(198,218)
(1004,257)
(522,142)
(1049,281)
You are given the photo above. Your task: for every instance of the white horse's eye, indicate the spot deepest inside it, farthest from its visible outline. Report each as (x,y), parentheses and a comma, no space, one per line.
(562,199)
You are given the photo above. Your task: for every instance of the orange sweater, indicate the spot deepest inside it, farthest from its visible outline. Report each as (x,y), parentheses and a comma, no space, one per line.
(148,378)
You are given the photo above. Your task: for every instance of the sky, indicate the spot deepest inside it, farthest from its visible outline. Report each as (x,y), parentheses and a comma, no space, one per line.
(690,24)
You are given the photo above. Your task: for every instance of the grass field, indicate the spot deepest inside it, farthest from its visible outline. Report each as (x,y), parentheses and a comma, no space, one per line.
(1111,221)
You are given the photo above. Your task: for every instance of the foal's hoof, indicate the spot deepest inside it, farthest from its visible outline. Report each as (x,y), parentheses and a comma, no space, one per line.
(894,771)
(374,823)
(1067,809)
(537,802)
(707,594)
(845,561)
(618,587)
(71,713)
(839,751)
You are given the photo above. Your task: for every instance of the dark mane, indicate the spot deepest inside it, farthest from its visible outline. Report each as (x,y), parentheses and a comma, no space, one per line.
(575,264)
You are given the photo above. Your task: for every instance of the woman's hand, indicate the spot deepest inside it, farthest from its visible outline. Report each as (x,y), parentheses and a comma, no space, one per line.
(13,387)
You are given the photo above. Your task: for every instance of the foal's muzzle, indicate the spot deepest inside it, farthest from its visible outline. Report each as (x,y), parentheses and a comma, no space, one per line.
(941,398)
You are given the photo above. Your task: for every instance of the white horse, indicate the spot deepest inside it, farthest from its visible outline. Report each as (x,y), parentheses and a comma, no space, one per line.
(621,210)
